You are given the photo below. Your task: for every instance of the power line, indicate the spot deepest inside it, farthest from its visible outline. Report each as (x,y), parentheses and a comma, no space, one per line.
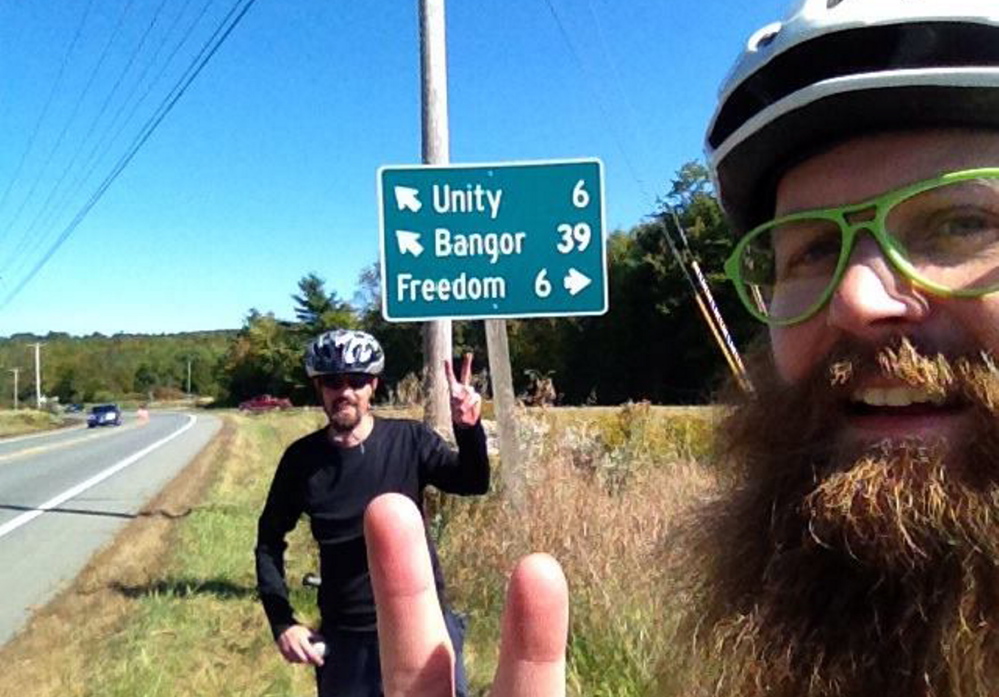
(45,109)
(25,239)
(46,204)
(94,159)
(598,100)
(618,81)
(685,259)
(222,32)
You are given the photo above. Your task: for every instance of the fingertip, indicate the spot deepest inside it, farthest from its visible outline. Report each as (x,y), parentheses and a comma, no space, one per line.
(466,368)
(414,649)
(542,567)
(393,532)
(537,615)
(388,510)
(535,630)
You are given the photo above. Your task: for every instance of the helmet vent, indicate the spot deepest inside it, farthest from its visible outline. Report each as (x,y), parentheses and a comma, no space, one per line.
(832,3)
(765,36)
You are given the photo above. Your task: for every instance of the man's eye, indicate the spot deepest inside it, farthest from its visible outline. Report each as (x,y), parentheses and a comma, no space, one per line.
(818,256)
(953,236)
(967,226)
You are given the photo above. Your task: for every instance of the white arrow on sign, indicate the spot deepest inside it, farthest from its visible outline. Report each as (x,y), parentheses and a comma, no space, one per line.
(575,281)
(406,197)
(409,242)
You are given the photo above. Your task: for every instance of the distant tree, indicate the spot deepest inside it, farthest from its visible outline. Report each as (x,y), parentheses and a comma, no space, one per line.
(318,310)
(145,378)
(65,387)
(710,241)
(264,358)
(124,365)
(368,295)
(401,341)
(653,342)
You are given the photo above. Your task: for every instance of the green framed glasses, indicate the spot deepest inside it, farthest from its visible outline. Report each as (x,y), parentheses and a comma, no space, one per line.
(941,234)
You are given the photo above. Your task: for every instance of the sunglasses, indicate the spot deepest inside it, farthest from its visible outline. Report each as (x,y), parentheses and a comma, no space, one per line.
(354,381)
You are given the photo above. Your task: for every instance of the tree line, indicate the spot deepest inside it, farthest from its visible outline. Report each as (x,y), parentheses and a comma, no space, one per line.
(651,344)
(98,368)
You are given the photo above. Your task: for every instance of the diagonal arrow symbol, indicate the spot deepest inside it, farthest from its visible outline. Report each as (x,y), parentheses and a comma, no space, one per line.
(575,281)
(409,242)
(407,198)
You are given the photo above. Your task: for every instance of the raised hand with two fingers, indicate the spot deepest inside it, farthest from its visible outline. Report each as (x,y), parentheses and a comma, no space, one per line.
(466,402)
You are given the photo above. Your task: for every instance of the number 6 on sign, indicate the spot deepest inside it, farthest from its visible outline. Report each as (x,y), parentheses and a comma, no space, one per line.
(572,236)
(580,196)
(542,286)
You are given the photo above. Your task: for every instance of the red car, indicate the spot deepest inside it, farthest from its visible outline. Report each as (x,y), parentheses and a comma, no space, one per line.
(265,402)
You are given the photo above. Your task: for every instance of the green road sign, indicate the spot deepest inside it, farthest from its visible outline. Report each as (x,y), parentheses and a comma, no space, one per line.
(492,240)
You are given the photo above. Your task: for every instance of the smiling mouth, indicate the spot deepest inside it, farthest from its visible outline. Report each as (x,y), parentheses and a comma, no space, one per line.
(900,401)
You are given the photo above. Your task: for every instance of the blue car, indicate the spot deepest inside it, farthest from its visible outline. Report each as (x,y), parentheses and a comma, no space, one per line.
(104,415)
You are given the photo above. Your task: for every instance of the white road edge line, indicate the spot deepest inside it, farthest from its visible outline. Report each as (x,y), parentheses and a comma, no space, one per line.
(25,518)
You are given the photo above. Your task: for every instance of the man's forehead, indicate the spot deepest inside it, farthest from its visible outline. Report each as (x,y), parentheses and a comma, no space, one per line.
(859,168)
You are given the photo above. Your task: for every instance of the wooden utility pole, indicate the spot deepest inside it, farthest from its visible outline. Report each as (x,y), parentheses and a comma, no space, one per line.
(38,375)
(436,151)
(437,340)
(15,371)
(505,406)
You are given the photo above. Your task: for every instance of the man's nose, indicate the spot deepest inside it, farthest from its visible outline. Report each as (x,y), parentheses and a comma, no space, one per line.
(872,295)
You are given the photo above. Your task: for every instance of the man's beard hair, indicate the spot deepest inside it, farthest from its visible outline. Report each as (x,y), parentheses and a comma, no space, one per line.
(827,570)
(345,422)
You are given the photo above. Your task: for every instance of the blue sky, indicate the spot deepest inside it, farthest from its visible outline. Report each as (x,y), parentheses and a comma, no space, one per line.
(264,170)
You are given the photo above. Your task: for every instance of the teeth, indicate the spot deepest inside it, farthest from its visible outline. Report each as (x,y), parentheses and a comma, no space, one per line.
(896,396)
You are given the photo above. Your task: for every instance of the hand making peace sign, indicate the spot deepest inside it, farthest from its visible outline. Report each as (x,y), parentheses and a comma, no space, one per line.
(466,403)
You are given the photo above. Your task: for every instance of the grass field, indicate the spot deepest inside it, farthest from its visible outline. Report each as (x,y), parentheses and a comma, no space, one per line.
(22,421)
(170,608)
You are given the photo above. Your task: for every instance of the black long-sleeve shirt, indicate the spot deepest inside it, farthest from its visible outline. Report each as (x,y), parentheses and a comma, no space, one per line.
(333,486)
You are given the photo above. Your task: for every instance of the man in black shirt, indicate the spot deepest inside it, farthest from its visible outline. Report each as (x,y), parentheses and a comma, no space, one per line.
(332,475)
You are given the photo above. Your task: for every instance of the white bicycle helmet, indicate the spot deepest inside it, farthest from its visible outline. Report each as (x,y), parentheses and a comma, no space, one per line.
(344,351)
(840,68)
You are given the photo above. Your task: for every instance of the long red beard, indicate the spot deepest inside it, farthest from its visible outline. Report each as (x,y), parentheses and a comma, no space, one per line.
(825,571)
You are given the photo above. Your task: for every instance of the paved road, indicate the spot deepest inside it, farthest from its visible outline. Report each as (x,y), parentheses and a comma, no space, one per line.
(65,494)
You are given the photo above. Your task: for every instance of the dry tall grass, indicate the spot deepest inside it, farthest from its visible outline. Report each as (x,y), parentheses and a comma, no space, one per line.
(602,496)
(15,423)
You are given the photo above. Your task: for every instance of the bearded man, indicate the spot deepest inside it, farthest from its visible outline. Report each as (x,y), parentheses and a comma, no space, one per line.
(854,548)
(331,476)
